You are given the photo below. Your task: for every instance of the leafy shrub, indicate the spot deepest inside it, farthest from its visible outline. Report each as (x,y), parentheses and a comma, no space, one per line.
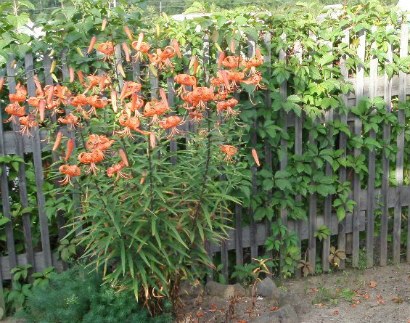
(78,296)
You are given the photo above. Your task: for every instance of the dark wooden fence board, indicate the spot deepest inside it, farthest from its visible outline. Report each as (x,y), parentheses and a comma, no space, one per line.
(404,48)
(38,170)
(386,166)
(374,62)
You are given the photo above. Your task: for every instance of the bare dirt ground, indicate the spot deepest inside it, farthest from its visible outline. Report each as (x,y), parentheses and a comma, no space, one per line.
(380,294)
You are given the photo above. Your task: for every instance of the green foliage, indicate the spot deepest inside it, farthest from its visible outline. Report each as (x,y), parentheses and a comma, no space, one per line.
(21,288)
(322,232)
(251,273)
(78,296)
(123,224)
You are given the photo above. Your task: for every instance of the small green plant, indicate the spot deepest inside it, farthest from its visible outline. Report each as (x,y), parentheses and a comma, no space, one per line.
(67,249)
(250,273)
(325,296)
(336,256)
(322,232)
(21,287)
(79,296)
(284,241)
(347,294)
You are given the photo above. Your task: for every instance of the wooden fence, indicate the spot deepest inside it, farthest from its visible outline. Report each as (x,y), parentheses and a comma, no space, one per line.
(248,238)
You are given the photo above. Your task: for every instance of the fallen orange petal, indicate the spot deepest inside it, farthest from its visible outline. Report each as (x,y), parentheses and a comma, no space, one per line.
(372,284)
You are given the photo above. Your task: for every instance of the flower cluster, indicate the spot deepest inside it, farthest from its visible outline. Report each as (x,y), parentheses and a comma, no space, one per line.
(134,112)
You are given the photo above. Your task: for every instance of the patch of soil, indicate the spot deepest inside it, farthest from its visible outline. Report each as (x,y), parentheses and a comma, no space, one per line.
(380,294)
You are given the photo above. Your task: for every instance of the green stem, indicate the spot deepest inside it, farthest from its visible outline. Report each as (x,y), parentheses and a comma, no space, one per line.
(150,178)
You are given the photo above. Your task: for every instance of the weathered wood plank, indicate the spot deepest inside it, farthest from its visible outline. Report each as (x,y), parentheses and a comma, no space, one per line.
(404,48)
(154,85)
(386,165)
(62,232)
(341,238)
(47,65)
(22,260)
(357,131)
(254,169)
(304,232)
(38,171)
(408,234)
(10,147)
(119,69)
(136,70)
(11,249)
(2,300)
(238,235)
(64,66)
(299,152)
(253,229)
(371,170)
(267,147)
(395,87)
(328,199)
(171,101)
(312,223)
(283,162)
(224,260)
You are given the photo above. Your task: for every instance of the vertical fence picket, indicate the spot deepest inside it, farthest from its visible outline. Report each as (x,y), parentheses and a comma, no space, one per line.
(371,168)
(361,51)
(284,150)
(328,199)
(267,146)
(153,79)
(253,225)
(171,101)
(26,217)
(38,170)
(298,152)
(48,79)
(341,237)
(118,65)
(64,67)
(8,227)
(238,235)
(312,221)
(386,165)
(2,299)
(11,249)
(408,234)
(329,116)
(404,47)
(136,70)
